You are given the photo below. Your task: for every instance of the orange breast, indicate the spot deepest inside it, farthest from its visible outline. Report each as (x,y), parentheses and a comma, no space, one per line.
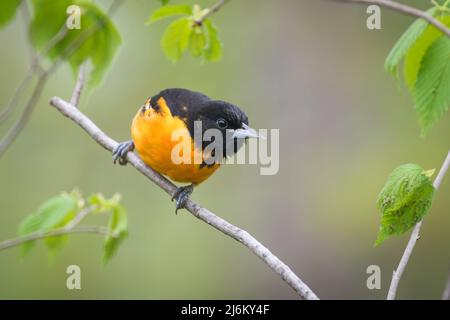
(152,134)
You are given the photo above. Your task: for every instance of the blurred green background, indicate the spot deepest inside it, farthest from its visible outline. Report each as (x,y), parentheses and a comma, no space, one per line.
(311,69)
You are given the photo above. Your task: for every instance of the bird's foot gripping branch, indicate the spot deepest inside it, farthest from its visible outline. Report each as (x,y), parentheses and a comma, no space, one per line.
(201,213)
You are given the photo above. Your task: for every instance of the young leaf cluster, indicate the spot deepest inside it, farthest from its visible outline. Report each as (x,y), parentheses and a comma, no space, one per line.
(191,32)
(63,210)
(424,53)
(96,41)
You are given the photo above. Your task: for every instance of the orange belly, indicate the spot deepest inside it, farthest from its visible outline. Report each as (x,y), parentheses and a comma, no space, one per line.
(152,131)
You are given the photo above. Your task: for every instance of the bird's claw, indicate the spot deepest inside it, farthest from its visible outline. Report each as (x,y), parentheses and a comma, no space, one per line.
(120,152)
(181,195)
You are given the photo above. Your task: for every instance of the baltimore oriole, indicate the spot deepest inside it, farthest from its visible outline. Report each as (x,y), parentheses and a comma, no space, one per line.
(184,110)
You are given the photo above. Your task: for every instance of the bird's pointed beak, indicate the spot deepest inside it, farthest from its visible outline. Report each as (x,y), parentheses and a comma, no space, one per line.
(246,132)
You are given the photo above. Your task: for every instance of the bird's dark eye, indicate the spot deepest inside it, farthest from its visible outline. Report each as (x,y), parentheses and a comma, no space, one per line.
(222,123)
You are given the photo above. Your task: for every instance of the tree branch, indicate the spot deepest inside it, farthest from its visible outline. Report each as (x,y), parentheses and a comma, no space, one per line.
(414,237)
(26,113)
(201,213)
(36,67)
(71,227)
(212,10)
(446,293)
(25,11)
(6,111)
(52,233)
(403,8)
(75,100)
(80,216)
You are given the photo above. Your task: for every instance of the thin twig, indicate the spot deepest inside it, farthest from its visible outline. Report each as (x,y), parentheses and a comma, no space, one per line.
(403,8)
(414,237)
(6,111)
(25,11)
(203,214)
(80,216)
(62,32)
(212,10)
(20,124)
(36,66)
(75,100)
(446,293)
(114,6)
(53,233)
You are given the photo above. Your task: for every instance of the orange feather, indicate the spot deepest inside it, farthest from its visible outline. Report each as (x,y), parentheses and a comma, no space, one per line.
(152,133)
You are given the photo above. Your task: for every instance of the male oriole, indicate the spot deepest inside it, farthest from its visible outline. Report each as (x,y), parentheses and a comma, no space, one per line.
(184,110)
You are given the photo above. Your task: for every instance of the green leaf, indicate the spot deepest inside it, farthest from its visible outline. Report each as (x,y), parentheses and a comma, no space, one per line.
(176,38)
(106,44)
(96,41)
(54,213)
(169,11)
(405,42)
(8,11)
(413,59)
(404,200)
(164,2)
(55,244)
(58,212)
(42,28)
(118,225)
(213,50)
(432,90)
(197,42)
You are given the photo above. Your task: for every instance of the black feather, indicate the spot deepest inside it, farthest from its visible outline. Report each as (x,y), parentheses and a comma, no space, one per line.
(194,106)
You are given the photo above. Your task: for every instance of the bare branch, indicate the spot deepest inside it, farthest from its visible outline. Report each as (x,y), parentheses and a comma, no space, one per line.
(20,124)
(212,10)
(440,177)
(25,11)
(446,293)
(414,237)
(36,67)
(71,227)
(52,233)
(201,213)
(6,111)
(80,216)
(403,8)
(75,100)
